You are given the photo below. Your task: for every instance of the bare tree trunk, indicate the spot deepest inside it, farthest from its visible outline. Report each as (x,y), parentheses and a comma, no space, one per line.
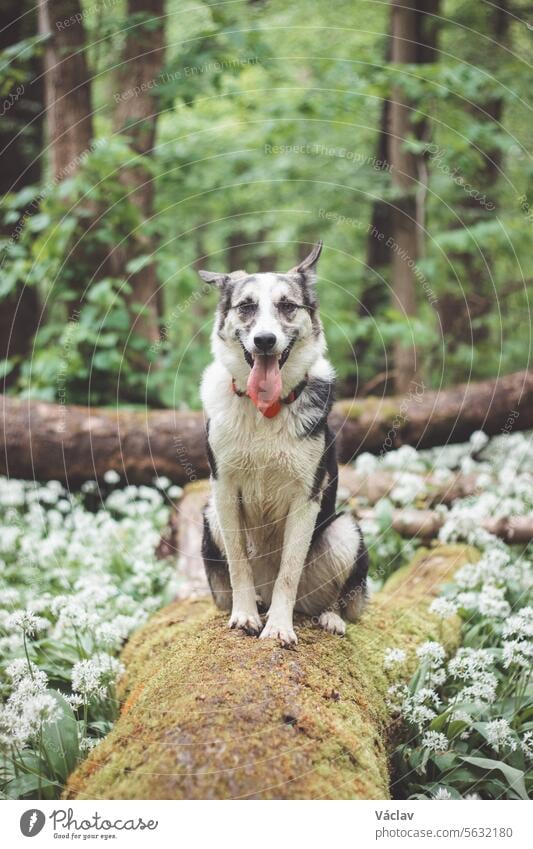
(21,166)
(413,40)
(67,84)
(136,116)
(404,178)
(461,309)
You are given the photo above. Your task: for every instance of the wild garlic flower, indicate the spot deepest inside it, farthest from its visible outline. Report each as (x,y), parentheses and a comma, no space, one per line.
(111,477)
(92,678)
(394,657)
(27,621)
(435,741)
(433,652)
(443,608)
(500,735)
(442,793)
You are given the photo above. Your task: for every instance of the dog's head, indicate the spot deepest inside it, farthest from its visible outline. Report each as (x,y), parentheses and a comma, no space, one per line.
(267,332)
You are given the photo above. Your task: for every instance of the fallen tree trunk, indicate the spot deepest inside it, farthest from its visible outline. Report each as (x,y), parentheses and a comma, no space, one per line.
(212,714)
(426,524)
(379,484)
(72,444)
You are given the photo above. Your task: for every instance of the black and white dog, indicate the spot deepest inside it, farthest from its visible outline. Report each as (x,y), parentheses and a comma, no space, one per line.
(271,533)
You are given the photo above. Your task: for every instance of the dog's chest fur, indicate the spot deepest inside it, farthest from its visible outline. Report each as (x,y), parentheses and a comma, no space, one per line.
(272,463)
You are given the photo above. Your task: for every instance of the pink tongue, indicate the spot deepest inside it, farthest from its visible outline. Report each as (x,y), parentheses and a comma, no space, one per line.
(264,382)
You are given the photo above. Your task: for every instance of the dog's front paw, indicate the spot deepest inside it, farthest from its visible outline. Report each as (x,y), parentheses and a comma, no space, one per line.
(284,633)
(248,622)
(332,623)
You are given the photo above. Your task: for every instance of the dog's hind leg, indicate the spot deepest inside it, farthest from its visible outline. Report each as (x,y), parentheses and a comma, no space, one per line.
(216,565)
(333,584)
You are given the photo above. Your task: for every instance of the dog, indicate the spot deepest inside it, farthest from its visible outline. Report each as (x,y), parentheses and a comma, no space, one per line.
(271,534)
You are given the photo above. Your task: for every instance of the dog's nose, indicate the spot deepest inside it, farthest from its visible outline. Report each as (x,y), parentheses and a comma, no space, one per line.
(264,341)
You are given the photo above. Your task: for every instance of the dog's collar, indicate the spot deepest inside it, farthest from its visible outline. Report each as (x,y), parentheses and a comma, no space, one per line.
(274,408)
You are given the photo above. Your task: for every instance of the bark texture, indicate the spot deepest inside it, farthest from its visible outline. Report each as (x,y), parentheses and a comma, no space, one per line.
(426,524)
(212,714)
(21,166)
(67,84)
(72,444)
(404,180)
(136,116)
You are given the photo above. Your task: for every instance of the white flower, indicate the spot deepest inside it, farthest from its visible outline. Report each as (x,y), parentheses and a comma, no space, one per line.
(470,663)
(162,482)
(442,793)
(27,621)
(93,677)
(19,669)
(526,744)
(87,743)
(393,657)
(500,735)
(432,652)
(111,476)
(478,441)
(492,602)
(366,463)
(520,624)
(443,608)
(396,696)
(517,653)
(435,742)
(480,692)
(407,488)
(175,492)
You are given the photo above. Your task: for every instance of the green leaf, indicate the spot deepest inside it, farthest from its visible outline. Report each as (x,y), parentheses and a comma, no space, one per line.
(6,366)
(27,787)
(515,777)
(60,739)
(140,262)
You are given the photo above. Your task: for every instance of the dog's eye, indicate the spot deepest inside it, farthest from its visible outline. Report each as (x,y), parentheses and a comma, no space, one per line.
(287,307)
(246,308)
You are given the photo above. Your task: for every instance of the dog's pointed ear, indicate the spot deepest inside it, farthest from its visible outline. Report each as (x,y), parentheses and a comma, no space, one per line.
(214,278)
(307,267)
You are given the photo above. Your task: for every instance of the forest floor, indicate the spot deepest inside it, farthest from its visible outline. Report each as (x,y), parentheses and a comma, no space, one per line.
(79,575)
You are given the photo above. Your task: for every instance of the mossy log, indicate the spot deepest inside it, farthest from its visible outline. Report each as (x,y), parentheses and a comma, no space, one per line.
(70,443)
(210,713)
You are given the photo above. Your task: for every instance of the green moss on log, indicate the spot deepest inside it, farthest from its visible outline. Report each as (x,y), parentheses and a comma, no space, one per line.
(213,714)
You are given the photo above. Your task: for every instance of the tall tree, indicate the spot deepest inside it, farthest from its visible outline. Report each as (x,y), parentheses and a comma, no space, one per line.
(413,41)
(67,84)
(136,116)
(461,308)
(21,131)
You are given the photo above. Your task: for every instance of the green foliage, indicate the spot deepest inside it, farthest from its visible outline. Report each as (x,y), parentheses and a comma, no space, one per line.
(267,138)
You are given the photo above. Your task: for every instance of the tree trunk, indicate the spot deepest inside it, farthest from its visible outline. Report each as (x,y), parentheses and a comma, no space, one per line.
(209,713)
(404,177)
(69,443)
(413,40)
(426,524)
(21,166)
(136,116)
(461,309)
(67,84)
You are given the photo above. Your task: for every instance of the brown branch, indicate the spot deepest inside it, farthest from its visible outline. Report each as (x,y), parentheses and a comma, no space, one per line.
(426,524)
